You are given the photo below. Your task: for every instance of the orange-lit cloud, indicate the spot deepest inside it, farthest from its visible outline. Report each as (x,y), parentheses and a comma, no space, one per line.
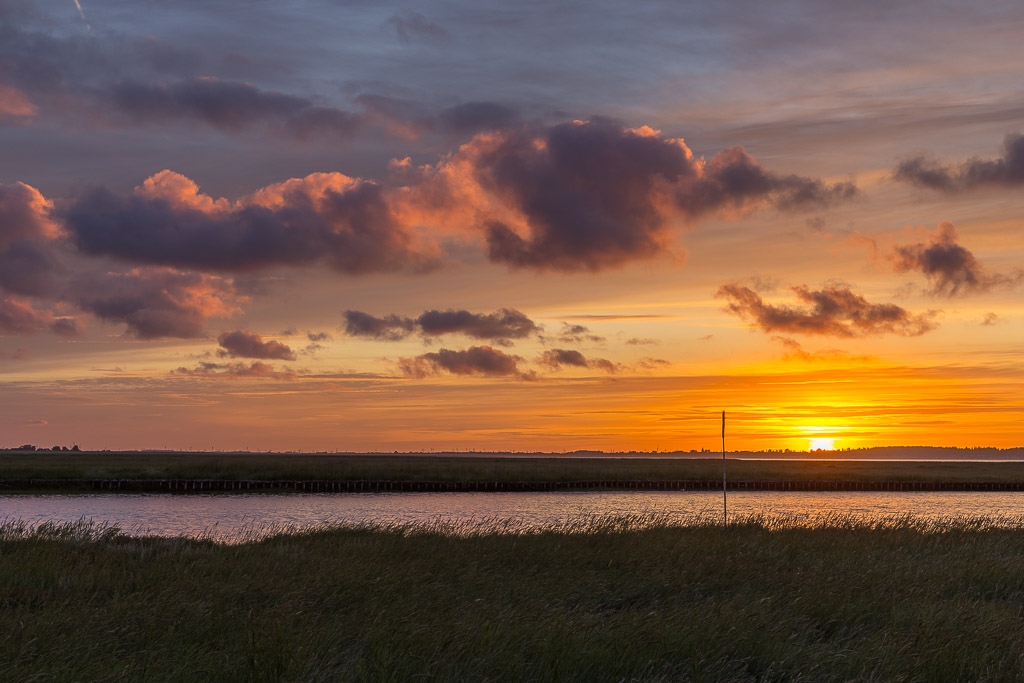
(157,302)
(15,105)
(28,233)
(253,370)
(20,317)
(326,217)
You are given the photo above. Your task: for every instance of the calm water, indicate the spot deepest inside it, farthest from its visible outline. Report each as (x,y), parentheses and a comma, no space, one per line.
(229,517)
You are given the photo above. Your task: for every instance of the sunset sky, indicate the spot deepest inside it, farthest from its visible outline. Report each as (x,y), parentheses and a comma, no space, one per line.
(361,226)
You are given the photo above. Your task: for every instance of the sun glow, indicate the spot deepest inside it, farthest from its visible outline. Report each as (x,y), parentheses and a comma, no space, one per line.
(822,444)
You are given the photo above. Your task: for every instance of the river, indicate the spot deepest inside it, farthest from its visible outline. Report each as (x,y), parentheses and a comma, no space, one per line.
(242,516)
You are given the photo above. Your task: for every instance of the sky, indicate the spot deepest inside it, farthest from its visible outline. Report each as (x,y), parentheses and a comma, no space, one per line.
(536,226)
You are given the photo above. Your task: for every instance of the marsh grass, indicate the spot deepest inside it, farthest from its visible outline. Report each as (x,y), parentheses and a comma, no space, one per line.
(601,598)
(254,466)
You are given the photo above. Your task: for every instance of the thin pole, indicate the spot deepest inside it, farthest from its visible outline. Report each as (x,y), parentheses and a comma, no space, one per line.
(725,499)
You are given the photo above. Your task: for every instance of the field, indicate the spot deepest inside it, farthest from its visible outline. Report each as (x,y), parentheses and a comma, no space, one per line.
(604,600)
(46,465)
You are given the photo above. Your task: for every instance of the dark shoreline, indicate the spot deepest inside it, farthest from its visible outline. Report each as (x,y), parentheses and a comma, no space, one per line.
(193,486)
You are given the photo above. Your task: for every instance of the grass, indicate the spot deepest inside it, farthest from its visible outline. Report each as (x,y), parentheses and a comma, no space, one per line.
(42,465)
(605,599)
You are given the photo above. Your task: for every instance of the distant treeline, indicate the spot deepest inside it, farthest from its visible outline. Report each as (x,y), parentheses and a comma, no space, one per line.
(56,449)
(874,452)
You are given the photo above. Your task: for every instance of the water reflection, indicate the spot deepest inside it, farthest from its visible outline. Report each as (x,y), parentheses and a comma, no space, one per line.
(228,517)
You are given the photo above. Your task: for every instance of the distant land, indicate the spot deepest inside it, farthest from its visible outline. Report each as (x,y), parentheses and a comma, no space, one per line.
(873,453)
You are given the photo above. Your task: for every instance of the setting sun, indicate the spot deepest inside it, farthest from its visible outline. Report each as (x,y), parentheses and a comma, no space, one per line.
(822,444)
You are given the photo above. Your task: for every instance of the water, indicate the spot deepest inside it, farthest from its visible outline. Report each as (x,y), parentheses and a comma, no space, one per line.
(228,517)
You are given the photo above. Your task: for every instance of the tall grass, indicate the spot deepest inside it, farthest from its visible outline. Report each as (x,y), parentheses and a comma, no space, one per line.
(604,598)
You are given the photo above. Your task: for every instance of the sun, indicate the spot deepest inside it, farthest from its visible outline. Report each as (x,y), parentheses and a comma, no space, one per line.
(822,444)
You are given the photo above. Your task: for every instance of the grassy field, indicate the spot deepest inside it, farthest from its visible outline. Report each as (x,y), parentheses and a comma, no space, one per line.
(45,465)
(605,600)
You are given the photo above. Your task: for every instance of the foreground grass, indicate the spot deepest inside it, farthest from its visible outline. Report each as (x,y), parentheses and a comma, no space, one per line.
(607,599)
(43,465)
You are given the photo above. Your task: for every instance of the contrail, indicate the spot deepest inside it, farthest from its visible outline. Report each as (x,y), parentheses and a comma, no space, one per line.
(79,6)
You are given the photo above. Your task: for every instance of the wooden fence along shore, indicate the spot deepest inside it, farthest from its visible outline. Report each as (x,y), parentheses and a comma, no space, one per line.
(382,486)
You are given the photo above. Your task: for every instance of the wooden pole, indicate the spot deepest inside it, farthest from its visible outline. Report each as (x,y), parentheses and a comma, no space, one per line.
(725,500)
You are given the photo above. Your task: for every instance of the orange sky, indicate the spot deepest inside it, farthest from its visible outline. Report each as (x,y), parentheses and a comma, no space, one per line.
(370,228)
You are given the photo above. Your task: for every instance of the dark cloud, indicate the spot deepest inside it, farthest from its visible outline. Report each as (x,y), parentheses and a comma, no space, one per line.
(950,268)
(576,334)
(28,257)
(329,217)
(1006,170)
(594,194)
(476,360)
(157,302)
(500,327)
(833,310)
(414,118)
(66,327)
(318,336)
(558,358)
(255,369)
(991,319)
(243,344)
(473,117)
(413,27)
(637,341)
(229,107)
(733,178)
(388,328)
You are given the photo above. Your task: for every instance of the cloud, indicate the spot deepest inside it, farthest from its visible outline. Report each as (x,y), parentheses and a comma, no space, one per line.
(411,119)
(581,196)
(20,353)
(1006,170)
(500,327)
(388,328)
(834,310)
(15,106)
(256,369)
(230,107)
(991,319)
(576,334)
(481,361)
(558,358)
(637,341)
(590,195)
(329,217)
(413,27)
(950,268)
(243,344)
(28,236)
(158,302)
(794,350)
(20,317)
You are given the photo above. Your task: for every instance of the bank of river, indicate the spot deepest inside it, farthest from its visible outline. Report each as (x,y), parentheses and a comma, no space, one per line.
(233,517)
